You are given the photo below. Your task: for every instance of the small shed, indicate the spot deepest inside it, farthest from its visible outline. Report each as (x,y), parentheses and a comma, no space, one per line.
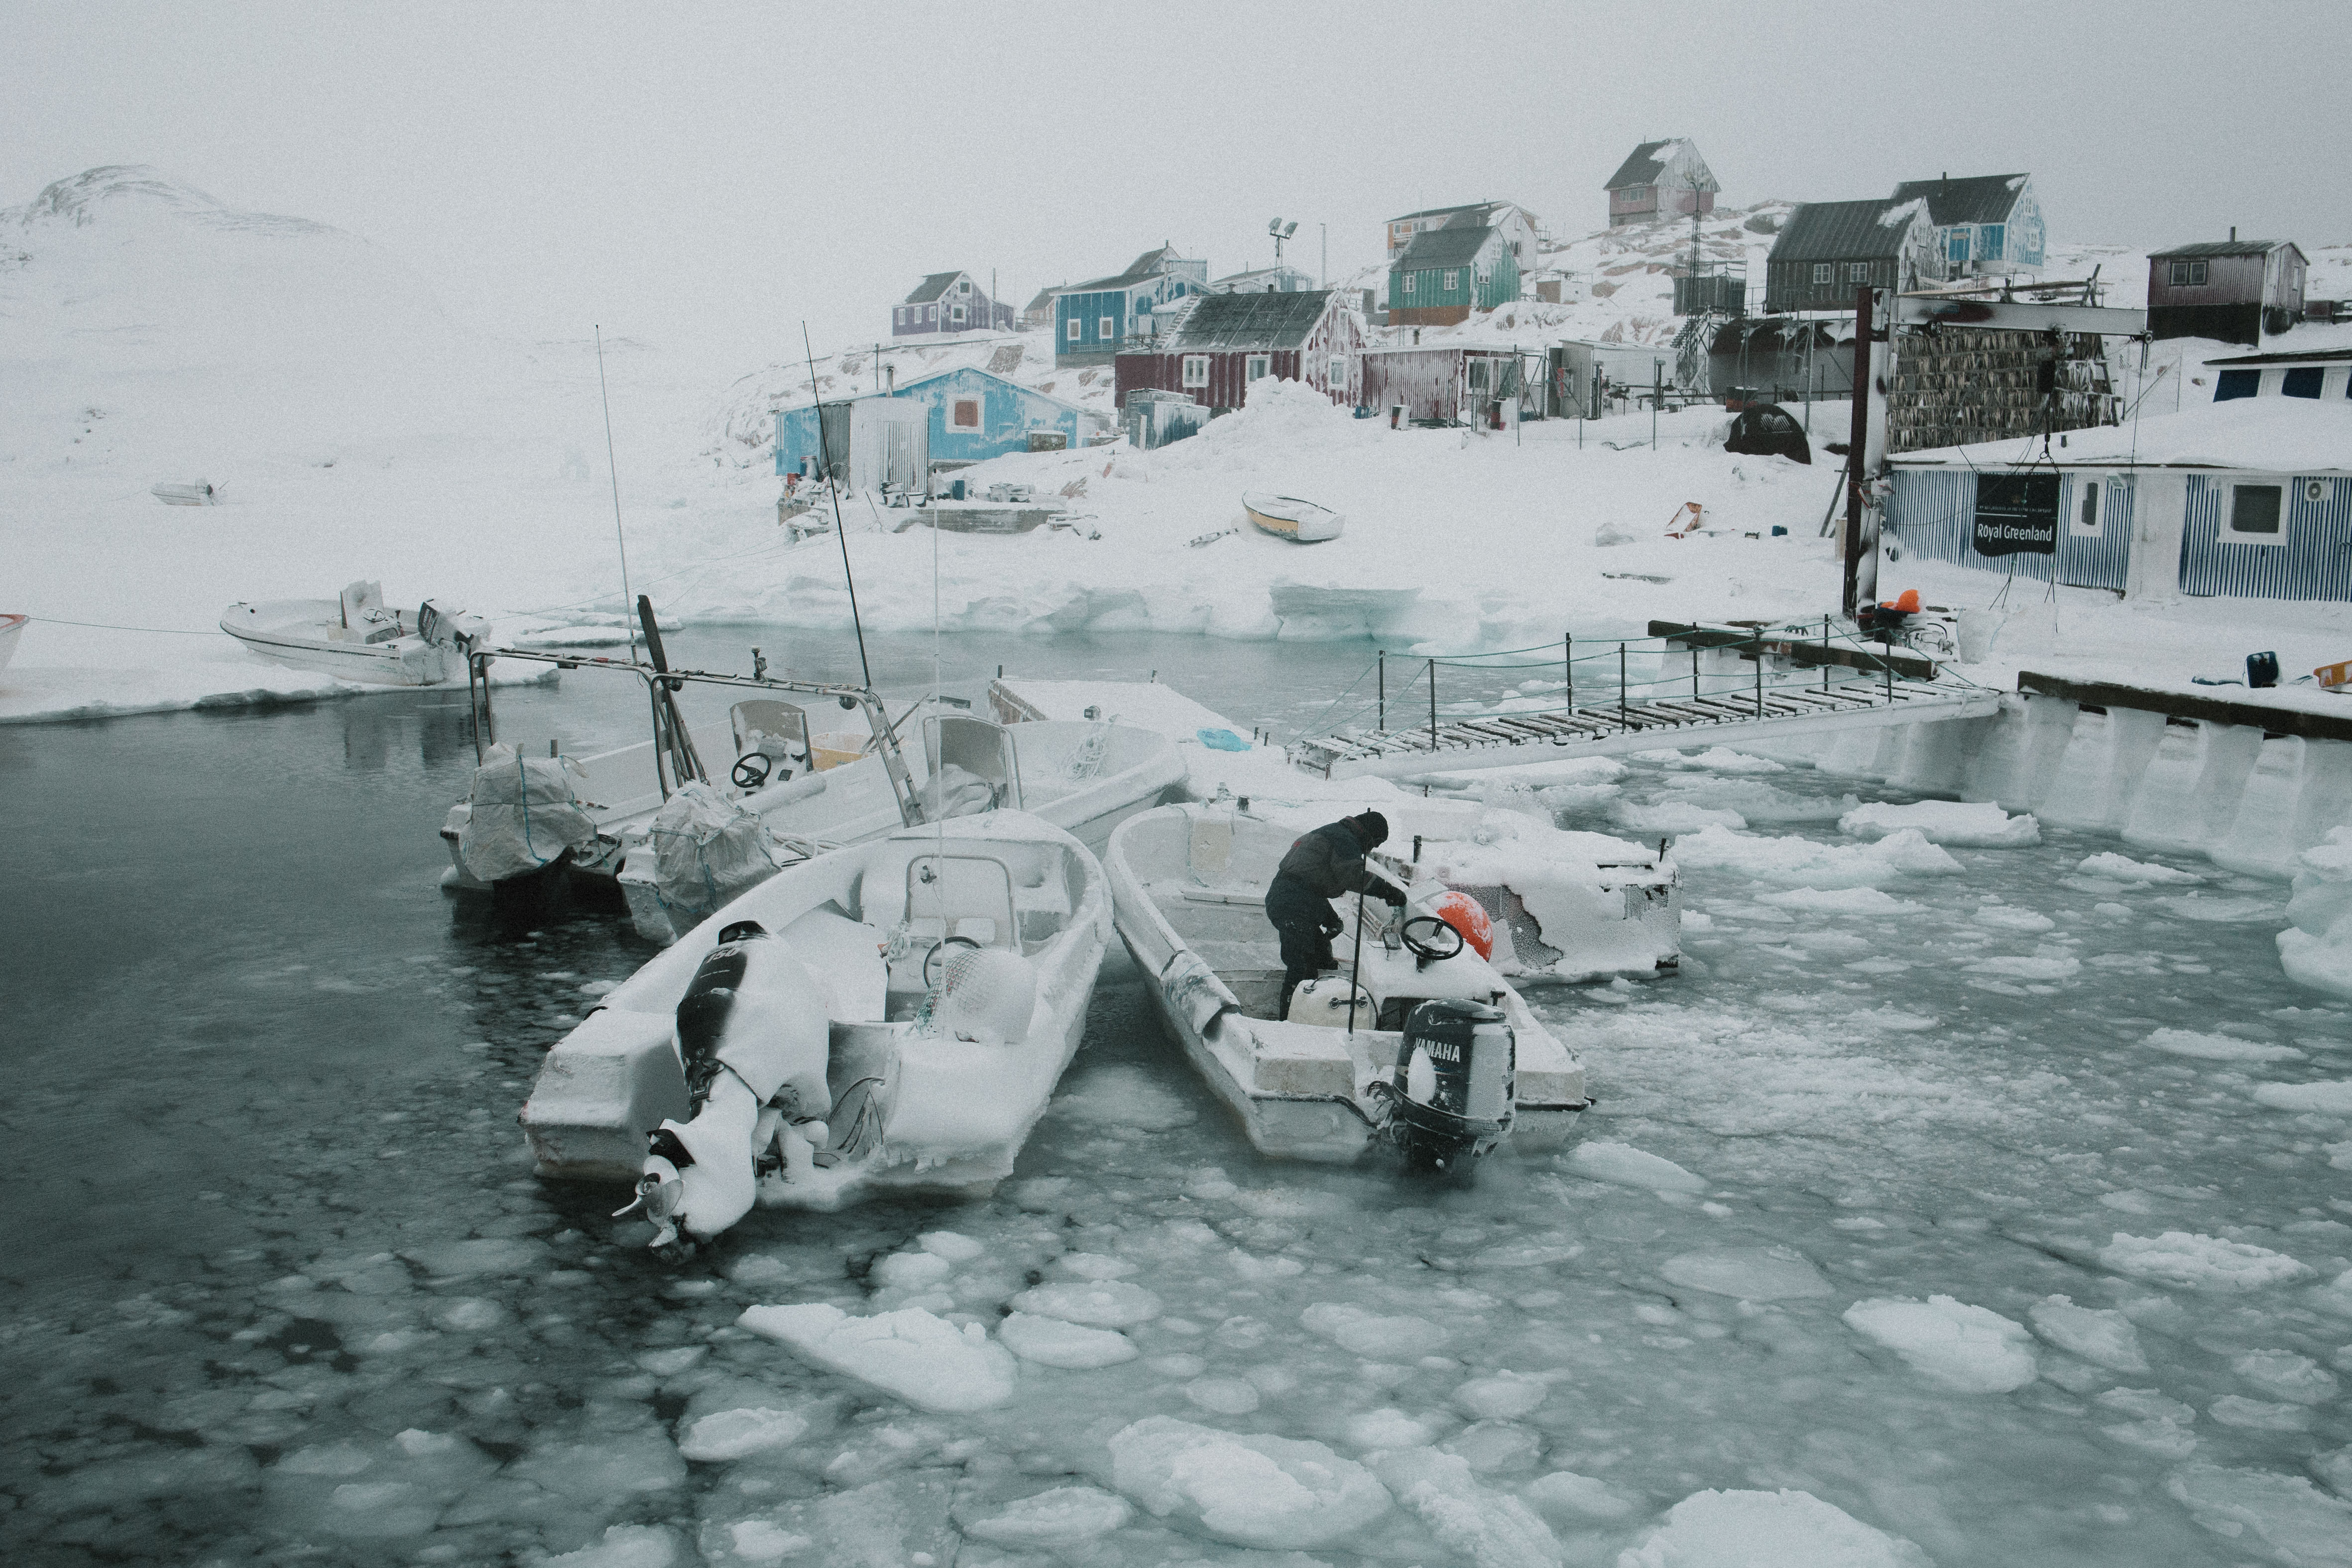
(1829,250)
(2250,498)
(2233,289)
(1986,224)
(968,415)
(2324,373)
(874,442)
(1225,342)
(1447,273)
(1661,179)
(1449,385)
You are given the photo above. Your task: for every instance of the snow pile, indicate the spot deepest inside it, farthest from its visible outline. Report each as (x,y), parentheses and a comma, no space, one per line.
(2317,950)
(1968,1348)
(930,1363)
(1767,1529)
(1600,1159)
(1747,1273)
(1801,862)
(2105,1337)
(1979,824)
(1279,420)
(2192,1262)
(1271,1493)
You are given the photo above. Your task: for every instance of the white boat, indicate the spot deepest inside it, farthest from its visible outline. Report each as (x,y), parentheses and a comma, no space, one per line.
(1287,517)
(11,629)
(911,1105)
(1188,890)
(357,637)
(197,494)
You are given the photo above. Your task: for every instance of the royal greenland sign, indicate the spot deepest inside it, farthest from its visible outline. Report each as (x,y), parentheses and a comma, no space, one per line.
(2017,514)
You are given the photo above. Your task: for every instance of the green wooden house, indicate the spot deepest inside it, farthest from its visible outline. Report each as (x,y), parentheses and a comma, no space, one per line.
(1447,273)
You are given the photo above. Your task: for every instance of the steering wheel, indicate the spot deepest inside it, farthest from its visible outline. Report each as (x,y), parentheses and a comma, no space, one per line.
(1431,946)
(939,948)
(750,769)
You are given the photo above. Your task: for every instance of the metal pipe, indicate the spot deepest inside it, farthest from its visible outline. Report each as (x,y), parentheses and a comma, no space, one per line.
(1759,643)
(1567,662)
(1433,705)
(1624,720)
(1384,692)
(1356,964)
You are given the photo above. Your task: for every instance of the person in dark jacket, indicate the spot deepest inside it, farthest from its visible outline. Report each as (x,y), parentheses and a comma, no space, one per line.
(1324,864)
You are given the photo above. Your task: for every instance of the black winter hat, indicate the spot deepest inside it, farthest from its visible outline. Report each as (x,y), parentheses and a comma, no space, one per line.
(1371,828)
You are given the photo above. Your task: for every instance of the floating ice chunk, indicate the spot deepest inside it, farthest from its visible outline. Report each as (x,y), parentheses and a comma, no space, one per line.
(763,1541)
(1626,1166)
(1369,1335)
(1271,1493)
(604,1469)
(624,1546)
(2218,1047)
(2008,916)
(930,1364)
(1802,863)
(325,1460)
(1491,1529)
(1250,1265)
(2195,1262)
(1767,1529)
(1531,1254)
(1566,1498)
(738,1434)
(2326,1098)
(1673,816)
(1492,1446)
(1502,1397)
(2231,911)
(1968,1348)
(910,1270)
(1099,1303)
(1714,759)
(1747,1273)
(1972,824)
(2286,1375)
(2335,1469)
(1841,902)
(2124,869)
(2106,1338)
(1222,1396)
(672,1361)
(2259,1415)
(1389,1427)
(1061,1517)
(2300,1523)
(950,1245)
(1894,1018)
(901,1521)
(489,1255)
(1122,1096)
(1053,1342)
(2159,1425)
(1093,1266)
(2041,967)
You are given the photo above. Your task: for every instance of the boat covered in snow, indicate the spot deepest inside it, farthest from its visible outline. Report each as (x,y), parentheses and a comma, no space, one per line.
(1287,517)
(1418,1042)
(893,1014)
(11,629)
(357,637)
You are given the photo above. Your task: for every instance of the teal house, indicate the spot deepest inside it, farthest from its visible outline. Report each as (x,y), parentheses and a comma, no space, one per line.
(1092,321)
(1447,273)
(972,416)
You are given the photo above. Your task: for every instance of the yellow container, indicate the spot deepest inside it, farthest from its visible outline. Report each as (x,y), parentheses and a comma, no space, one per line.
(830,751)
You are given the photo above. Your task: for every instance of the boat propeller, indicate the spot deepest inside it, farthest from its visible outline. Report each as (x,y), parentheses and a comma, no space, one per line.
(661,1192)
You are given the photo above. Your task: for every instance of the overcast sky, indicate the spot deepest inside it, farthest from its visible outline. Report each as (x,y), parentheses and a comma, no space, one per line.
(717,178)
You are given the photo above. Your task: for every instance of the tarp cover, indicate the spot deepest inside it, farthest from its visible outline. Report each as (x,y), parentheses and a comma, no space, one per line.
(525,813)
(707,849)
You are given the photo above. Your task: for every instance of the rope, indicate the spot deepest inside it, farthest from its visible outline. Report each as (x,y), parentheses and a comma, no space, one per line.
(109,627)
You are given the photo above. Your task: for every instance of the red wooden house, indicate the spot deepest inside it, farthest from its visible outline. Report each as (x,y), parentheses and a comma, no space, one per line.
(1228,340)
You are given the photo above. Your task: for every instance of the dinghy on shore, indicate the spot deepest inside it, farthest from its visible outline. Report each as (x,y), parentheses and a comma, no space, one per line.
(1287,517)
(890,1016)
(1438,1056)
(357,637)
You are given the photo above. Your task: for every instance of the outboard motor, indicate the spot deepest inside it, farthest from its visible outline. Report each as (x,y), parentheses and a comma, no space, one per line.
(1456,1082)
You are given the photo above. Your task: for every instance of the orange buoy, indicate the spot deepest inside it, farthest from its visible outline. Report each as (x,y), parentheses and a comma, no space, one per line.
(1909,601)
(1464,914)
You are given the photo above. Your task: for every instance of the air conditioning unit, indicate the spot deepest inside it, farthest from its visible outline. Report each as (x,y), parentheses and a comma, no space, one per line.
(2318,491)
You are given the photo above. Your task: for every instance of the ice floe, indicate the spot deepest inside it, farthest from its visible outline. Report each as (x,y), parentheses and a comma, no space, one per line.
(1600,1160)
(1275,1492)
(1979,824)
(1971,1348)
(1767,1529)
(2107,1338)
(1747,1273)
(923,1360)
(2195,1262)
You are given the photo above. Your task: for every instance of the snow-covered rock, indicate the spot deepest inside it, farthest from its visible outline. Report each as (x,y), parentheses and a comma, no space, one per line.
(1968,1348)
(928,1363)
(1271,1493)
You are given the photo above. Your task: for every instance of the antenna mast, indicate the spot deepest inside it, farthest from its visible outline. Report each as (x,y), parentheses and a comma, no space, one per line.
(613,471)
(825,456)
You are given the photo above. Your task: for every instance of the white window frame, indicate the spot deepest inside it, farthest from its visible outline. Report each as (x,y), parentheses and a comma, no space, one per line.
(2228,534)
(1824,272)
(2185,274)
(1453,279)
(1076,327)
(1636,193)
(1196,370)
(1337,368)
(963,285)
(1256,367)
(979,411)
(1857,271)
(955,314)
(1107,328)
(1408,281)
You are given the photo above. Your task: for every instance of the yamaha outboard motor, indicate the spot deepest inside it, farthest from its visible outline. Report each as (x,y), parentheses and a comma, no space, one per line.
(1456,1082)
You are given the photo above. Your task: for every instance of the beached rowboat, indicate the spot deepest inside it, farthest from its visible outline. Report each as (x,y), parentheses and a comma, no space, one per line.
(1287,517)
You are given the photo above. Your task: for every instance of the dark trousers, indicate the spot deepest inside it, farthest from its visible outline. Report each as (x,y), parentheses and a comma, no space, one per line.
(1304,922)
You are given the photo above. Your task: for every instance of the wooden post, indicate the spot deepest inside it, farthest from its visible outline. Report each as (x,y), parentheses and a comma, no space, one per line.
(1759,644)
(1383,725)
(1855,452)
(1624,720)
(1568,670)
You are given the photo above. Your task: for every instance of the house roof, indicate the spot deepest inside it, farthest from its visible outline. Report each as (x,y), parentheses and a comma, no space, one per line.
(970,369)
(1151,264)
(931,288)
(1225,285)
(2224,247)
(1479,210)
(1451,244)
(1044,297)
(1226,321)
(1839,231)
(1644,164)
(1978,198)
(2261,435)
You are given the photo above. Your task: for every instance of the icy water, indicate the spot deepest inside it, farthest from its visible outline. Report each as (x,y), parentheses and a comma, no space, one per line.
(283,1288)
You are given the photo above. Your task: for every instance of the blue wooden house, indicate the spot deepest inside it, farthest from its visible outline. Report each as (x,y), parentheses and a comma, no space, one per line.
(2250,498)
(973,415)
(1093,319)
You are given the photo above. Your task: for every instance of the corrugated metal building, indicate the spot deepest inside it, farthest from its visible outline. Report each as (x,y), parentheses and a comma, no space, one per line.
(1227,340)
(2248,499)
(1827,251)
(2234,289)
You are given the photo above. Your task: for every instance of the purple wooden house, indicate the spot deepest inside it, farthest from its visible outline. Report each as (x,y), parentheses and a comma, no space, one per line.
(949,302)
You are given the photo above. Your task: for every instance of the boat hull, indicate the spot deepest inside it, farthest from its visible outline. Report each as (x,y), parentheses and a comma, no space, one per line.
(1287,517)
(295,638)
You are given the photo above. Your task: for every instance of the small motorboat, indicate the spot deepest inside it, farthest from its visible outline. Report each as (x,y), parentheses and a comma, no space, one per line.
(1287,517)
(11,629)
(1418,1044)
(357,637)
(197,494)
(891,1015)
